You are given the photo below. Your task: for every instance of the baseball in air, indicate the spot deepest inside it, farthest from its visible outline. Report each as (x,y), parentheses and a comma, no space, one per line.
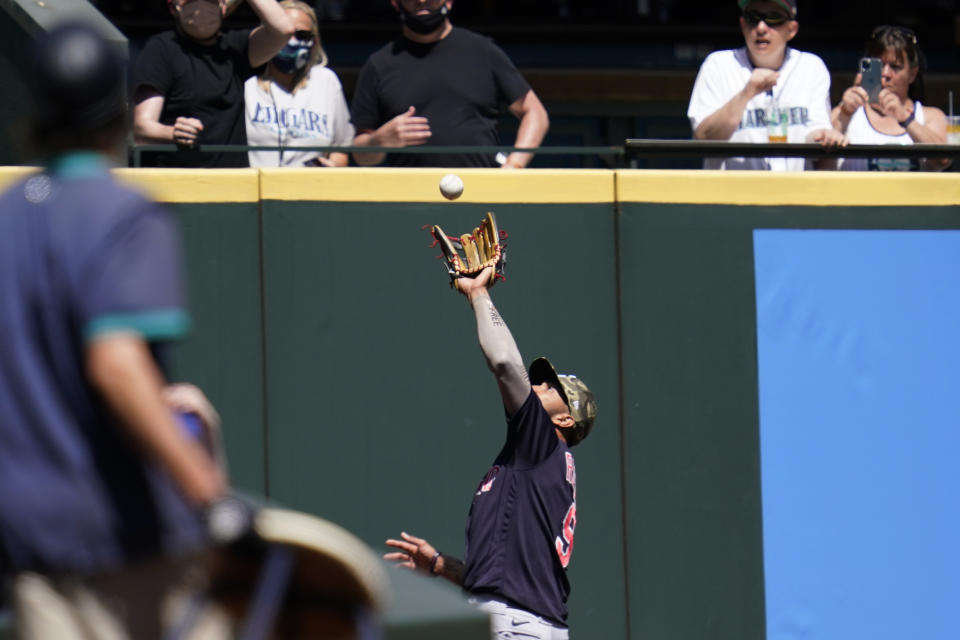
(451,186)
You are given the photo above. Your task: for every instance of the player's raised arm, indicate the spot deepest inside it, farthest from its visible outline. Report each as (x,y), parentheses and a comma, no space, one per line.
(497,343)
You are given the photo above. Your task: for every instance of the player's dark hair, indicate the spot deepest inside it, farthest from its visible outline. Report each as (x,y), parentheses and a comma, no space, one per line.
(903,42)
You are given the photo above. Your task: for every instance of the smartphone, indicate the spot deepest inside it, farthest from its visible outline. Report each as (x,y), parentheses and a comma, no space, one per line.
(870,69)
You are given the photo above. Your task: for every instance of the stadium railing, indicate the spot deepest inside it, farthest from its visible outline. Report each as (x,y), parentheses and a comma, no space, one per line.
(621,156)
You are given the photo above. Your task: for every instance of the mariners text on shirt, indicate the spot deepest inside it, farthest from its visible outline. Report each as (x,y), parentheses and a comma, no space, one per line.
(757,118)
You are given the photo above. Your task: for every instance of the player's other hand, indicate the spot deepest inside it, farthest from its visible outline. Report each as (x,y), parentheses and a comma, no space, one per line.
(413,552)
(188,398)
(404,130)
(477,286)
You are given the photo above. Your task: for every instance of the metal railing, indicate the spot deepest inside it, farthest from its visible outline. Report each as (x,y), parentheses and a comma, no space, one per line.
(616,156)
(649,148)
(614,151)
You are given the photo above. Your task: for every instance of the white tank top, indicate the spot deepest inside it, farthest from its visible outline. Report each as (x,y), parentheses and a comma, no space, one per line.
(860,131)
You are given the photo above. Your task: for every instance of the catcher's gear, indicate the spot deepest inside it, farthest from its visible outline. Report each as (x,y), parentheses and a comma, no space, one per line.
(471,253)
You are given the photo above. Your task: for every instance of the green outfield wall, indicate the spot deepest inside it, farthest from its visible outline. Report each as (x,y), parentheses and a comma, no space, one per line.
(351,384)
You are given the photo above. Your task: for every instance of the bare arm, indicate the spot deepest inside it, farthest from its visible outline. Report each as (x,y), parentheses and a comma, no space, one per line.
(497,343)
(121,369)
(274,31)
(934,130)
(722,123)
(146,118)
(418,554)
(534,123)
(404,130)
(853,98)
(147,127)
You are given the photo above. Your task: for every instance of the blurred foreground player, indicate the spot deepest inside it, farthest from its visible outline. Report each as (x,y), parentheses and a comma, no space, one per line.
(519,537)
(99,487)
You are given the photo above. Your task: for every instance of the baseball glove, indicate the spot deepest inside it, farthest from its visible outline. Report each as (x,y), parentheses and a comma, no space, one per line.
(471,253)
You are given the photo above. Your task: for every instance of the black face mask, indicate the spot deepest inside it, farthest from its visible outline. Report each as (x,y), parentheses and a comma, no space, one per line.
(426,23)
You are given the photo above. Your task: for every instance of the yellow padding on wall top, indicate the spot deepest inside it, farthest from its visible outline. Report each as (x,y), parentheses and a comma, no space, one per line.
(809,188)
(422,185)
(9,175)
(195,185)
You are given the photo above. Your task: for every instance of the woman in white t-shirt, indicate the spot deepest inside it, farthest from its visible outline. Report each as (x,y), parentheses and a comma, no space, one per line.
(297,101)
(897,116)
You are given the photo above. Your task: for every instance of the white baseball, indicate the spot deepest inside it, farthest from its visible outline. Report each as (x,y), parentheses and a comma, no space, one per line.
(451,186)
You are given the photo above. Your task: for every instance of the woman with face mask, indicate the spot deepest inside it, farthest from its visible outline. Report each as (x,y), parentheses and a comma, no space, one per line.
(297,101)
(188,82)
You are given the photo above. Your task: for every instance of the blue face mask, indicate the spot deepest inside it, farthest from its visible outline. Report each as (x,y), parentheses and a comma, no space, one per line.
(294,55)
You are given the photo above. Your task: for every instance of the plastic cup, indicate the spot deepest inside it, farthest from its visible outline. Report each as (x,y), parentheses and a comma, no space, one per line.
(953,129)
(777,124)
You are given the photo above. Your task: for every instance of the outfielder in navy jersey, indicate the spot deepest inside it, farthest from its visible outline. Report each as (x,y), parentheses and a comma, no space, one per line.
(519,534)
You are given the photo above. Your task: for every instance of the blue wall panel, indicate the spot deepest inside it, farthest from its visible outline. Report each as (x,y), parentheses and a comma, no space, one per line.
(858,350)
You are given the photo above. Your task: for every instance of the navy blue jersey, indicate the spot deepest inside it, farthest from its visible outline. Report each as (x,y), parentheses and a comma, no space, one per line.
(80,256)
(521,522)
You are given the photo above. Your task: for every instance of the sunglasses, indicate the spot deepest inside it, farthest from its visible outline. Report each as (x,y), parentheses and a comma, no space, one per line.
(303,34)
(774,19)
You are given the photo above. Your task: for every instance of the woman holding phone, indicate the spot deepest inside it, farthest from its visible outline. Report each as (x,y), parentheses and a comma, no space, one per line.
(897,115)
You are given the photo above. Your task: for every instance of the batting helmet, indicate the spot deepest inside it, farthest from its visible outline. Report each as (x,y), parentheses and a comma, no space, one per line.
(75,79)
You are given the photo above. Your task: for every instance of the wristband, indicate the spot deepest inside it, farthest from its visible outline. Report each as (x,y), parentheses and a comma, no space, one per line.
(433,564)
(906,123)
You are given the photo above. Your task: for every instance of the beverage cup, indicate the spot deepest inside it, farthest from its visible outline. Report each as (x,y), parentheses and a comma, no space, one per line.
(953,129)
(777,124)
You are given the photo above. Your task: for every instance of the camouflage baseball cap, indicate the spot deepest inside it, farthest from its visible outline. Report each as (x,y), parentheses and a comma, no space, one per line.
(575,393)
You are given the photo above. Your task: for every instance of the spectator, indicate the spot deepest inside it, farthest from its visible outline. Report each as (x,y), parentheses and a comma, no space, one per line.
(188,82)
(297,101)
(898,116)
(735,89)
(99,487)
(441,85)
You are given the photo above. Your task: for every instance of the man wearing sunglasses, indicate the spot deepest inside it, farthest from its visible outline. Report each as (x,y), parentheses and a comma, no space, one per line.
(736,90)
(188,82)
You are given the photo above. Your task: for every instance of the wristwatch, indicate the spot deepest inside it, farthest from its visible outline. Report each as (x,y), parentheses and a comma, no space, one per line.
(906,123)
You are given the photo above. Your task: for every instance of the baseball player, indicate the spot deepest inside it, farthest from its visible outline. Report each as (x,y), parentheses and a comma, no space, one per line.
(100,488)
(519,535)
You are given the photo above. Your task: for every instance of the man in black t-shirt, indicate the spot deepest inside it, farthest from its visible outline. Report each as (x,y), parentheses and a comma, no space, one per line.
(188,82)
(441,85)
(519,536)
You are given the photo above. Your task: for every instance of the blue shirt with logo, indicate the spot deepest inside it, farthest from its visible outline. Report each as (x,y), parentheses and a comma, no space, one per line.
(81,256)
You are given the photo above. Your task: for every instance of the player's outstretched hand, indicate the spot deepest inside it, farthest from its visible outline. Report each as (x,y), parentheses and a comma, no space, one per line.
(479,285)
(414,552)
